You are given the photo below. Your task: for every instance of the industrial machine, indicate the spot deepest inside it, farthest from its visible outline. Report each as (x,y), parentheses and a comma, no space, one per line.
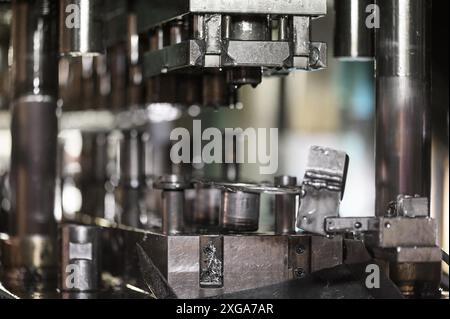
(152,227)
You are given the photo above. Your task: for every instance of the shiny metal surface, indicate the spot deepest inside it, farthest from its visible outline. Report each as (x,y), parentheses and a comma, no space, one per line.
(248,261)
(173,219)
(249,28)
(403,102)
(34,132)
(240,211)
(207,207)
(33,171)
(323,188)
(129,193)
(131,166)
(285,207)
(245,42)
(80,27)
(353,39)
(35,45)
(150,18)
(80,258)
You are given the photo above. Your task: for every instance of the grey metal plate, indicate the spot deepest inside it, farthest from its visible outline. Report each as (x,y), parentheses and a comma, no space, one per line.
(152,13)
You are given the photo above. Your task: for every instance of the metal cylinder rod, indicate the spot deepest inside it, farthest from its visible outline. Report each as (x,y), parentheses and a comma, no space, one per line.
(135,79)
(131,180)
(80,27)
(172,187)
(240,211)
(34,130)
(34,122)
(354,39)
(403,151)
(80,258)
(207,206)
(285,207)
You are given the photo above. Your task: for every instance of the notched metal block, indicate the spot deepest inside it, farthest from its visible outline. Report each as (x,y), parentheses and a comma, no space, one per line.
(256,53)
(182,55)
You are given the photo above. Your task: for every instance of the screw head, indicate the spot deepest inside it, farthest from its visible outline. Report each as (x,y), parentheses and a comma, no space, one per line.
(299,273)
(300,250)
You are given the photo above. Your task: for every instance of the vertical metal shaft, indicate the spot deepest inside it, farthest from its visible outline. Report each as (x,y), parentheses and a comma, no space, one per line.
(240,211)
(34,123)
(28,257)
(285,207)
(403,101)
(81,27)
(353,37)
(80,258)
(129,190)
(173,187)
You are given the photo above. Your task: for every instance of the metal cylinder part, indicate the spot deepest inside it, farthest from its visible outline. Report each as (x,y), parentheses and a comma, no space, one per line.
(34,123)
(249,28)
(80,258)
(132,171)
(129,193)
(29,254)
(239,211)
(117,56)
(285,207)
(403,151)
(81,27)
(35,47)
(207,207)
(135,92)
(94,157)
(173,212)
(34,132)
(354,39)
(172,203)
(94,175)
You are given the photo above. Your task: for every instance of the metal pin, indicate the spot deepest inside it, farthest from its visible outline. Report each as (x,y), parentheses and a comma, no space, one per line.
(285,206)
(80,258)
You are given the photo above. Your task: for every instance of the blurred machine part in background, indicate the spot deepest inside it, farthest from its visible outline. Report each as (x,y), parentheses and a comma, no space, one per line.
(92,202)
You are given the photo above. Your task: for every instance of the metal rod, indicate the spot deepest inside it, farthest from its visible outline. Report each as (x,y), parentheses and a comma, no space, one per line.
(173,187)
(34,123)
(81,27)
(285,207)
(240,211)
(403,151)
(80,258)
(353,40)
